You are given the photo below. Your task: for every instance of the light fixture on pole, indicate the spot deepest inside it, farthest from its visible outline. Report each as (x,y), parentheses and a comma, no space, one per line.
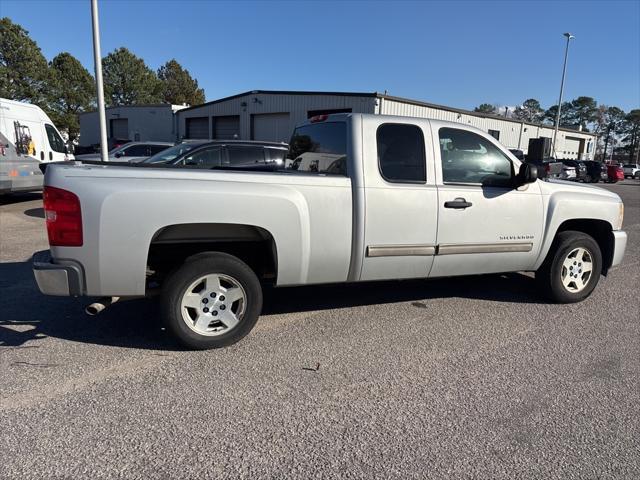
(97,59)
(564,71)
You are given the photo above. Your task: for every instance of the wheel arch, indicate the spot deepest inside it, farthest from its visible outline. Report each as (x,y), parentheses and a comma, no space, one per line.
(171,245)
(600,230)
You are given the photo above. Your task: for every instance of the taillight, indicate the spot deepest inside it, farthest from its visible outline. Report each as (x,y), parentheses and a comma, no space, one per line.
(64,217)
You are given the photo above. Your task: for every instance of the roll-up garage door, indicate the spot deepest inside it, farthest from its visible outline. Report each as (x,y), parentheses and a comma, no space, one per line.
(197,127)
(226,127)
(272,127)
(571,147)
(120,128)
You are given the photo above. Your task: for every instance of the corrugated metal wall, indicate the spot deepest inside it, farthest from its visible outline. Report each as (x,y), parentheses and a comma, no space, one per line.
(512,134)
(296,105)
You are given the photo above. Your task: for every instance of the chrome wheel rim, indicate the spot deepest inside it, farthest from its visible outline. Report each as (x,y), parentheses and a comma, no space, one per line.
(577,269)
(213,305)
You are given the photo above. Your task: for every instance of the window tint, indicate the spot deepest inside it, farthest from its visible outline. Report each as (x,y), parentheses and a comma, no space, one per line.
(205,158)
(153,149)
(56,143)
(136,151)
(469,158)
(319,148)
(401,155)
(241,155)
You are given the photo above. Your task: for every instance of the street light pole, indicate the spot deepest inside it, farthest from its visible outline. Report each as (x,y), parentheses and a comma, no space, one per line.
(564,71)
(97,59)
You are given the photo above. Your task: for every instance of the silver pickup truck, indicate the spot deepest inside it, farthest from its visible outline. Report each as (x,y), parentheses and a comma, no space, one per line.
(360,198)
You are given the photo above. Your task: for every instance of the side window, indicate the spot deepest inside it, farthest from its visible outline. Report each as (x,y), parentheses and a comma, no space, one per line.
(136,151)
(56,143)
(401,156)
(275,155)
(205,158)
(240,155)
(153,149)
(470,158)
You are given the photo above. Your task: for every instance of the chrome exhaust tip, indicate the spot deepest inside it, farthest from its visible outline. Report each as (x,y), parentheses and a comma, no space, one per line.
(97,307)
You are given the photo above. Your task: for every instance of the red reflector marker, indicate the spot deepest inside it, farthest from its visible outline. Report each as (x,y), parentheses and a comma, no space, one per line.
(64,217)
(318,118)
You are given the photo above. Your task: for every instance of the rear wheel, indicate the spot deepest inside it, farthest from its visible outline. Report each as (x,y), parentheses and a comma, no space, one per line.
(212,301)
(572,268)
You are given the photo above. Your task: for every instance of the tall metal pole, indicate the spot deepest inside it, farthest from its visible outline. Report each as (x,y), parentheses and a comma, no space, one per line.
(564,71)
(97,59)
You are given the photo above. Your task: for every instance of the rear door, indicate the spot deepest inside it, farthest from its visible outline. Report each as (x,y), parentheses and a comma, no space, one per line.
(484,224)
(401,210)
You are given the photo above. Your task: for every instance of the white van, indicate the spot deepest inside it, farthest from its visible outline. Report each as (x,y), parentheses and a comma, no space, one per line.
(27,138)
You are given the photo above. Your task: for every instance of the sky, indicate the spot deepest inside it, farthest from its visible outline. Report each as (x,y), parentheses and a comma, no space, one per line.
(455,53)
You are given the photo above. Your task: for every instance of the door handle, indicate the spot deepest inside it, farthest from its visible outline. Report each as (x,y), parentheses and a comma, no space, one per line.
(457,203)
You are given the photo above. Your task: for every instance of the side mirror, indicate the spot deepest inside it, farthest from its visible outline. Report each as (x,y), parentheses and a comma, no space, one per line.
(118,155)
(528,174)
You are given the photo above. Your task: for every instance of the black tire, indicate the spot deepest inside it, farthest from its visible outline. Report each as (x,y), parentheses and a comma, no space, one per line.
(588,179)
(549,275)
(175,287)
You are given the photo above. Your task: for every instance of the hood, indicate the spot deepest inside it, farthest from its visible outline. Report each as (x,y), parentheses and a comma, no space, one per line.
(555,186)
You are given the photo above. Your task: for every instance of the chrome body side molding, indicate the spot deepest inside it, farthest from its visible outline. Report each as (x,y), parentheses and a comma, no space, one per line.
(446,249)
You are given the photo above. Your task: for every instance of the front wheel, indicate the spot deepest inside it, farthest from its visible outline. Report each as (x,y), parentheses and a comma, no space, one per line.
(572,268)
(212,301)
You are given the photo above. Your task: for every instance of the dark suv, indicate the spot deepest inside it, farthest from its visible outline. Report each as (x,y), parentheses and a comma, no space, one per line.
(581,169)
(595,171)
(235,154)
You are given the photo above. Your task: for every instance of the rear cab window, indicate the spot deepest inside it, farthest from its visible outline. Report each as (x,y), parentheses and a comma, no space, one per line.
(319,148)
(401,154)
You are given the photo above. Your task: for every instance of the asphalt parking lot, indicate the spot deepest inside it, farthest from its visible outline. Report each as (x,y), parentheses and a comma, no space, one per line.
(456,378)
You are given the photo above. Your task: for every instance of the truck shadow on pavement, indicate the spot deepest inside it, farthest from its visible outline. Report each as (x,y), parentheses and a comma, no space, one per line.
(19,197)
(27,316)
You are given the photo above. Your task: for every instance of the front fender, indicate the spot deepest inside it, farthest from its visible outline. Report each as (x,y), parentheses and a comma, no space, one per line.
(562,207)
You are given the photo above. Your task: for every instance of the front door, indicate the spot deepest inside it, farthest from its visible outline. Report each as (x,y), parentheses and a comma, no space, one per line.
(485,225)
(400,196)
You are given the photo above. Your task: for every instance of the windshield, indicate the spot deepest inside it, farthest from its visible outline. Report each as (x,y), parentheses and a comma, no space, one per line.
(170,153)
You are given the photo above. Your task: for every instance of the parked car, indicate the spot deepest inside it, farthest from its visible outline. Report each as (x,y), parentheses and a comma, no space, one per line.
(245,154)
(418,198)
(519,154)
(132,151)
(547,168)
(568,172)
(596,172)
(614,173)
(631,170)
(579,167)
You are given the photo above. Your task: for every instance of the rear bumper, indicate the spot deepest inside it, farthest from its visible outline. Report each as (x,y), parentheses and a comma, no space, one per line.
(619,246)
(60,278)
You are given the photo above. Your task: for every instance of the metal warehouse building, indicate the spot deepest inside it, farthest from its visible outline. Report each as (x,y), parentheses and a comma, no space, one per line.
(132,122)
(272,115)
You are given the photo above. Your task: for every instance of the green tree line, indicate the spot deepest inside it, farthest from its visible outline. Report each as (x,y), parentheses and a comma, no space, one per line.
(617,131)
(64,88)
